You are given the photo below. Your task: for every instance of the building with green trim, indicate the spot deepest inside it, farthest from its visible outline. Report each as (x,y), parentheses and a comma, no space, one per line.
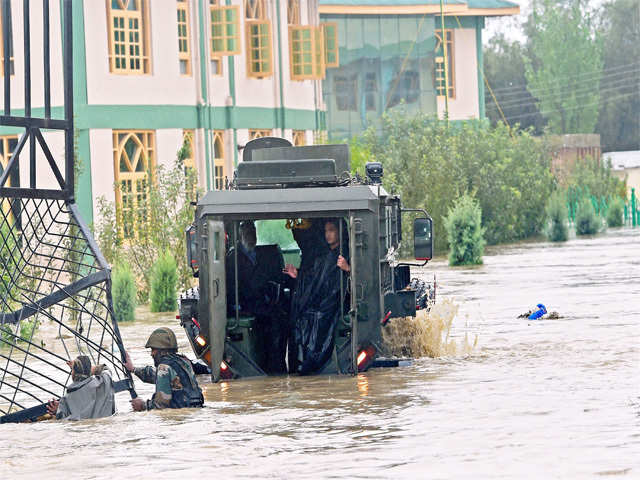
(150,75)
(392,56)
(153,75)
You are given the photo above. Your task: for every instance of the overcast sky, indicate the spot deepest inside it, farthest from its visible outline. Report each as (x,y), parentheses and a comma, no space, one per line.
(510,26)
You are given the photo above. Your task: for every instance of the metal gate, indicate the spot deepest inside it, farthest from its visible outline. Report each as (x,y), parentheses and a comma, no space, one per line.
(55,285)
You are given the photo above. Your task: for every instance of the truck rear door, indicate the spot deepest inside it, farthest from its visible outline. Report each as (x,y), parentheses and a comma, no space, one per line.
(217,297)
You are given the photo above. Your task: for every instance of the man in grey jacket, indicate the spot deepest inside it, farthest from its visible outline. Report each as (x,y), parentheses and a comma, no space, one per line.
(91,395)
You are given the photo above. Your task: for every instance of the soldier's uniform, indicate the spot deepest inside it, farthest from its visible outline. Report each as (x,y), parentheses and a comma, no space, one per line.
(176,384)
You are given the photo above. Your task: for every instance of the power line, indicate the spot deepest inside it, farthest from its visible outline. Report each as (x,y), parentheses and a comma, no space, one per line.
(583,92)
(547,112)
(630,74)
(630,67)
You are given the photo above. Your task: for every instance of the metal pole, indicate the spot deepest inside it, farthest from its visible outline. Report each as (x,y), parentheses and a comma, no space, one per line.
(354,294)
(341,275)
(634,214)
(6,41)
(446,63)
(47,59)
(27,60)
(68,102)
(235,266)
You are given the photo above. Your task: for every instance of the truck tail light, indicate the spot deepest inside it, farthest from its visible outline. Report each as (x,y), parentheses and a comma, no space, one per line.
(201,341)
(365,357)
(225,371)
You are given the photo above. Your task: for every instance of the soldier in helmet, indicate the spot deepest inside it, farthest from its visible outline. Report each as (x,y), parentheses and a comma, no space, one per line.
(176,384)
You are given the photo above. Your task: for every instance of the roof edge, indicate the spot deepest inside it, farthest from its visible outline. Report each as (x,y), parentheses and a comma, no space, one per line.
(390,9)
(450,9)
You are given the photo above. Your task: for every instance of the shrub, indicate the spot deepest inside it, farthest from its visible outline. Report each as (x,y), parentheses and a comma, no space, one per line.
(6,335)
(615,213)
(159,227)
(429,161)
(28,329)
(464,232)
(163,284)
(587,222)
(557,214)
(123,291)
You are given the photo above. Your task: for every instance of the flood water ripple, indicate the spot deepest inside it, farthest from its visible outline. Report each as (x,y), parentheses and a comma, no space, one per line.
(536,399)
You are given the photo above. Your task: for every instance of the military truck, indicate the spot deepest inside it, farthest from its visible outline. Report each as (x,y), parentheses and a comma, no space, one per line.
(276,186)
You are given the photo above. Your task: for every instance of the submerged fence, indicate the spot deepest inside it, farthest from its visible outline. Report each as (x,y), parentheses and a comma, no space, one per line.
(55,285)
(601,204)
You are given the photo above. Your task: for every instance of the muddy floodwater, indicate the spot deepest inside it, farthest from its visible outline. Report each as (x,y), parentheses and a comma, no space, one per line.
(536,399)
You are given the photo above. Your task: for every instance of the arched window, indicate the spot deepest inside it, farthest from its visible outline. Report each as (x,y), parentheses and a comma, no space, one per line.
(218,159)
(134,161)
(189,163)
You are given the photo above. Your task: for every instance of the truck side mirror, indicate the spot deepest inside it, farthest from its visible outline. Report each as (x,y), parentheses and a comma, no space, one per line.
(423,238)
(192,249)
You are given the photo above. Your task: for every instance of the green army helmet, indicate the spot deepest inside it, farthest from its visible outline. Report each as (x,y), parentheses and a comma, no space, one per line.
(162,338)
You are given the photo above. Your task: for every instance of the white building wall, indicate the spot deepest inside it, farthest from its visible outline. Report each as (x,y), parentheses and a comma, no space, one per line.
(44,174)
(102,167)
(466,104)
(164,84)
(265,92)
(168,142)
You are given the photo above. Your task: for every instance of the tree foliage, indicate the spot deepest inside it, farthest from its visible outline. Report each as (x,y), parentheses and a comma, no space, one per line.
(504,71)
(160,226)
(431,164)
(124,293)
(557,214)
(564,72)
(164,278)
(587,221)
(615,213)
(618,120)
(464,232)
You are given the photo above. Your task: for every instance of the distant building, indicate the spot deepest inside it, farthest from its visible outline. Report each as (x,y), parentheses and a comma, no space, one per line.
(626,165)
(567,149)
(150,74)
(391,52)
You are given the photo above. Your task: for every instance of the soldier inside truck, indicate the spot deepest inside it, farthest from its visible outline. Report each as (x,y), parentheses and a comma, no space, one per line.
(296,308)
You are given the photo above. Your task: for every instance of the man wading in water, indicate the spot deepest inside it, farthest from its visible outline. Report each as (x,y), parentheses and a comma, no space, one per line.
(316,303)
(176,384)
(91,395)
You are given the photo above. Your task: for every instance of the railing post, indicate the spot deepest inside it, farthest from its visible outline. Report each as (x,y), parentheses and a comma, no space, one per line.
(68,102)
(634,212)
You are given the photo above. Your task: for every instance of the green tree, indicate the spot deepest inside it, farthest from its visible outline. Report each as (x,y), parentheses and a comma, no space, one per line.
(564,67)
(504,71)
(430,164)
(465,232)
(163,284)
(557,213)
(619,121)
(160,227)
(124,293)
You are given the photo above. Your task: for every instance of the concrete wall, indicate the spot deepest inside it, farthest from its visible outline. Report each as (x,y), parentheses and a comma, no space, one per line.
(465,105)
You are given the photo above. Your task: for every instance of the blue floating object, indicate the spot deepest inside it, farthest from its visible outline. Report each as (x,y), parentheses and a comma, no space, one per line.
(542,310)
